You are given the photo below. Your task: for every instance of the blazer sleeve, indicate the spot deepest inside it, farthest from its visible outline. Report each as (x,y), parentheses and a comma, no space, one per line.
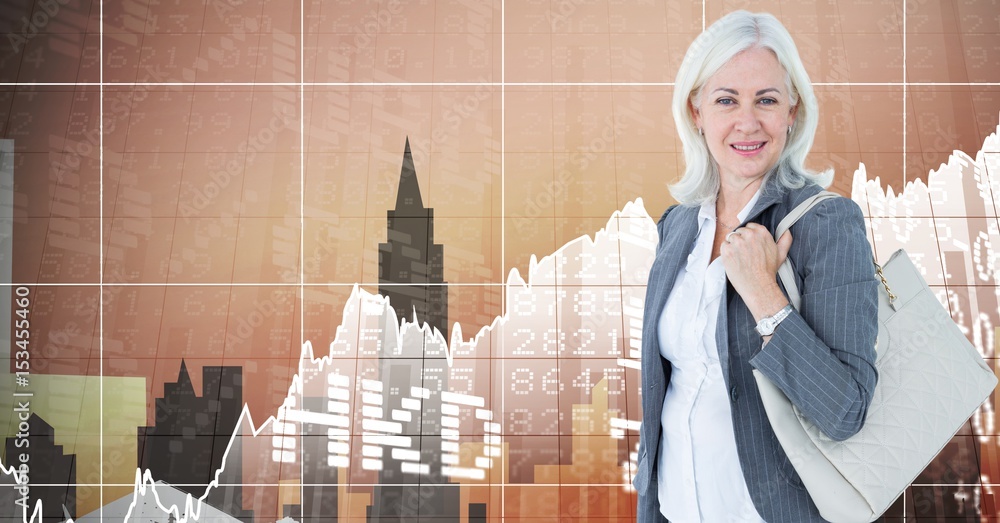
(823,355)
(659,224)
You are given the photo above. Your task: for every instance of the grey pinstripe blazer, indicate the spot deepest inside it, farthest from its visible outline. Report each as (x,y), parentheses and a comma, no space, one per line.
(822,356)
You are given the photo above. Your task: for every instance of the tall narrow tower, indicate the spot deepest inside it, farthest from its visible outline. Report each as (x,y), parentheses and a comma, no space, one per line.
(411,265)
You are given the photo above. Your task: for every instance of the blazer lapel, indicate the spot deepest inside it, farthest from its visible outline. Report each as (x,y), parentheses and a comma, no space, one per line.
(772,193)
(675,246)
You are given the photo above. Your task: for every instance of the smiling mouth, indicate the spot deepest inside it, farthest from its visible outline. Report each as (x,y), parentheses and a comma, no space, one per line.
(748,148)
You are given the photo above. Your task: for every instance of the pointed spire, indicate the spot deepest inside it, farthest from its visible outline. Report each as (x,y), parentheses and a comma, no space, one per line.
(184,379)
(408,195)
(40,427)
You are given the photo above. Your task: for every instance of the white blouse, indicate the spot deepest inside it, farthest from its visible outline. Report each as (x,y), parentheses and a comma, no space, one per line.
(700,477)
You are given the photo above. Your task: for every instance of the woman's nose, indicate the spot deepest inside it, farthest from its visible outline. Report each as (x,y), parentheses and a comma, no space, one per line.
(746,120)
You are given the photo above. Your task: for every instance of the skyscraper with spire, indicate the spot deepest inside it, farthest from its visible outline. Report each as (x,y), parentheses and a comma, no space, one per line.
(411,265)
(187,444)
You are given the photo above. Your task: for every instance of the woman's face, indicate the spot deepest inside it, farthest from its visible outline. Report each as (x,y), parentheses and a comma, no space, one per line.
(745,114)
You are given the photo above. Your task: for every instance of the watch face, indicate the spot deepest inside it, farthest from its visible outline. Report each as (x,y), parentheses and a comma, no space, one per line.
(766,327)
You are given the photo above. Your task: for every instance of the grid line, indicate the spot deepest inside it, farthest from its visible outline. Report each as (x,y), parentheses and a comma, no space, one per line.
(456,84)
(100,257)
(903,2)
(491,484)
(503,234)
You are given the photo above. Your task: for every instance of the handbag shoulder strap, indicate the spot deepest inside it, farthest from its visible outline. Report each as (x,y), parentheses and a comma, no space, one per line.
(796,213)
(785,272)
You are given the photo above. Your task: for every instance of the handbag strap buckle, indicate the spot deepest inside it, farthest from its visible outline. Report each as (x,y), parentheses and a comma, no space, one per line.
(878,271)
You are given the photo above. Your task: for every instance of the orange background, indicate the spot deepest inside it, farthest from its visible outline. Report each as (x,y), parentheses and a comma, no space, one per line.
(245,141)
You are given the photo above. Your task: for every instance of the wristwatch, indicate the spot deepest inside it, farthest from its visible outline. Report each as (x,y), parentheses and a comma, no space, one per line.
(767,324)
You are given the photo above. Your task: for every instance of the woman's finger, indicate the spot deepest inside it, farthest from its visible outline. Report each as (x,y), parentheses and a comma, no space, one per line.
(784,243)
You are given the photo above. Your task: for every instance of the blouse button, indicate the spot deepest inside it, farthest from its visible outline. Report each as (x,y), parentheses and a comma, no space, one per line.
(734,394)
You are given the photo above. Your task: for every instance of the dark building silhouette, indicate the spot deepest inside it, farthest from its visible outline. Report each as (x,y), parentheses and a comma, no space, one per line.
(227,496)
(407,497)
(188,442)
(48,465)
(319,479)
(410,256)
(9,512)
(477,512)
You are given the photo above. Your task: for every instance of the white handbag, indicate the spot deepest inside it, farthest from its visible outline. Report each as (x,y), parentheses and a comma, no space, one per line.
(930,381)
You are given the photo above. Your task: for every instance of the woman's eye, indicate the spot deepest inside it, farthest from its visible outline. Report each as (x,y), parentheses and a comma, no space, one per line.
(768,101)
(725,101)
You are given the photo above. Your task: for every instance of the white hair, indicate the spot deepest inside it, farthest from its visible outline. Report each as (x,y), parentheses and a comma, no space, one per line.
(715,47)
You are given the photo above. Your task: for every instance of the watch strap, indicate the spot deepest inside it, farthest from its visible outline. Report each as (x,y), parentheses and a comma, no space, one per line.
(766,325)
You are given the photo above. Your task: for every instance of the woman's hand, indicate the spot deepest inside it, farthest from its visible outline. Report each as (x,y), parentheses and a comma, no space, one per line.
(751,258)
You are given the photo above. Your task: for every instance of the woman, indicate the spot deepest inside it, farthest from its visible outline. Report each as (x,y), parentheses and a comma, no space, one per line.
(746,113)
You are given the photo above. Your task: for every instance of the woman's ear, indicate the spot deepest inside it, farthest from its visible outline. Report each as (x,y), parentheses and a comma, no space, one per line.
(792,113)
(695,114)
